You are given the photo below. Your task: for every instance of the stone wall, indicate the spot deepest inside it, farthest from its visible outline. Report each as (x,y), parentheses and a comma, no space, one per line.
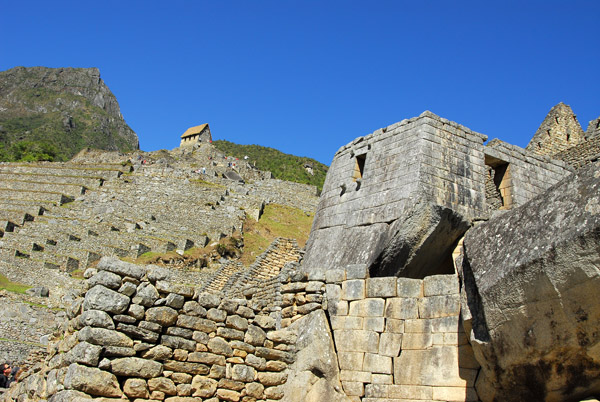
(374,180)
(559,131)
(136,336)
(399,338)
(593,129)
(583,154)
(530,174)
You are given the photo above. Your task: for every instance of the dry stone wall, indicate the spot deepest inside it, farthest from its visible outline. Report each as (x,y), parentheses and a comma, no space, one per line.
(136,336)
(582,155)
(60,217)
(378,179)
(559,131)
(398,338)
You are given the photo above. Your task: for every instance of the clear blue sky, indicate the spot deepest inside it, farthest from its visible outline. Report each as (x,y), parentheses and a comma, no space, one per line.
(307,77)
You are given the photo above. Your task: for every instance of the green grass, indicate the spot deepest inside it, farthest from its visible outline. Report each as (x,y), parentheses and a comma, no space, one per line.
(283,166)
(22,342)
(276,221)
(61,132)
(14,287)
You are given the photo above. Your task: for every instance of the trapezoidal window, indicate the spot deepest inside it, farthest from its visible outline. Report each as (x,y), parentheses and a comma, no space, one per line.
(359,167)
(498,186)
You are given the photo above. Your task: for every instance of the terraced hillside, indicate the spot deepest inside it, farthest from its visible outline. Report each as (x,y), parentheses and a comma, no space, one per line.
(58,219)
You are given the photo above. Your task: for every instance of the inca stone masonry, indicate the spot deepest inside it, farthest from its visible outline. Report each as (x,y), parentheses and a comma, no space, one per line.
(438,269)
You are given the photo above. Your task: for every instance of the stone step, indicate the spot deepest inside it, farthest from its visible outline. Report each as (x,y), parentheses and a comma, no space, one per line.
(7,227)
(103,233)
(105,171)
(85,181)
(24,205)
(52,197)
(66,234)
(17,217)
(74,190)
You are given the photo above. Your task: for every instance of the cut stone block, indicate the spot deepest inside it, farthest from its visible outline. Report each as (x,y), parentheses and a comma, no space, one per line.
(437,366)
(381,287)
(367,308)
(353,289)
(401,308)
(439,306)
(376,363)
(351,360)
(376,324)
(390,344)
(356,341)
(356,271)
(437,285)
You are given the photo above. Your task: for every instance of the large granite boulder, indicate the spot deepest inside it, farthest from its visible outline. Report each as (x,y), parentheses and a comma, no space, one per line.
(314,376)
(531,279)
(420,243)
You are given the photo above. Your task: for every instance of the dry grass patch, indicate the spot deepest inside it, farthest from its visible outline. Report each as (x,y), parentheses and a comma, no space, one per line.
(276,221)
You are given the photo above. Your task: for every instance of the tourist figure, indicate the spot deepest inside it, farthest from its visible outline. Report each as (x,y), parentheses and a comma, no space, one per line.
(5,375)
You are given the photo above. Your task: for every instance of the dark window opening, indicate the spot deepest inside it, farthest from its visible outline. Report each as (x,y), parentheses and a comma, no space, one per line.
(359,167)
(498,184)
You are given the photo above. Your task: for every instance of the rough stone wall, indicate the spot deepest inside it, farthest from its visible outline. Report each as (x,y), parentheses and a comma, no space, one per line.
(559,131)
(593,129)
(531,174)
(492,193)
(400,339)
(582,154)
(135,335)
(138,336)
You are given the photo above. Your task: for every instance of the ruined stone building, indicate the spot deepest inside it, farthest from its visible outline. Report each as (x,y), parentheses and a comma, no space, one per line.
(195,135)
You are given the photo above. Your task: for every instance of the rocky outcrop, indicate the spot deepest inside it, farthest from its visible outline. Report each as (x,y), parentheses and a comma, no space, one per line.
(68,108)
(530,277)
(314,376)
(421,243)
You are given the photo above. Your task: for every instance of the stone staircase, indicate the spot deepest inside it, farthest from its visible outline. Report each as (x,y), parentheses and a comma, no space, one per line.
(231,279)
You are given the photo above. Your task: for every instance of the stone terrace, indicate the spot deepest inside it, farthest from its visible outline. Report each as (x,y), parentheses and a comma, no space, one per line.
(59,217)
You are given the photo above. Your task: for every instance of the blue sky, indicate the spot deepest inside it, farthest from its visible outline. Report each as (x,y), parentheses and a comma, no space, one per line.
(307,77)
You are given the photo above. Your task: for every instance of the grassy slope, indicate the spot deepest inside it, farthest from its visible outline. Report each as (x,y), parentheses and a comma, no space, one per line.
(5,283)
(283,166)
(276,221)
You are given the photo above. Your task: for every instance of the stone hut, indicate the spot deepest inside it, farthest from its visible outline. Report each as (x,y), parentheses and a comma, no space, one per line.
(195,135)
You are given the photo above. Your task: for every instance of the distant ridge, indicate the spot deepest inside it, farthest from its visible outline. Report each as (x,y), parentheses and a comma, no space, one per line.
(52,113)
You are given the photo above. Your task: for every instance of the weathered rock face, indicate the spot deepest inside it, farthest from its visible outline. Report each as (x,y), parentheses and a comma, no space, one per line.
(421,243)
(314,376)
(531,276)
(71,107)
